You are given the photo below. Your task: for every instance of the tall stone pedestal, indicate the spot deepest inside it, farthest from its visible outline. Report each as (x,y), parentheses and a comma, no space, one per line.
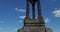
(35,29)
(33,24)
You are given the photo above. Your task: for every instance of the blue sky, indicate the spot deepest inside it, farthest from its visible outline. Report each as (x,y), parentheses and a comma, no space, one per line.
(12,14)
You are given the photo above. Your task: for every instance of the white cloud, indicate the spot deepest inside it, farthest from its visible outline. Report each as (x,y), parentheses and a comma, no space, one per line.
(21,10)
(22,17)
(1,22)
(57,12)
(46,20)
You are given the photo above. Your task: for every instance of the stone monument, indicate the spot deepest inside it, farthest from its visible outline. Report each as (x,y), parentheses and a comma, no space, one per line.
(33,24)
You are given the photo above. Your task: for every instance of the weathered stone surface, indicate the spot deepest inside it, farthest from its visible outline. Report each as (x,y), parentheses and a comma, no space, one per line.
(34,25)
(35,29)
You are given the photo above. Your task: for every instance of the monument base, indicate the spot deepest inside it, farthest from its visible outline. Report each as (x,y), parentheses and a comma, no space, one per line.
(35,29)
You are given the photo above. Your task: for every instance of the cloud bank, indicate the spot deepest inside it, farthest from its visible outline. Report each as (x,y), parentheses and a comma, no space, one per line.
(46,20)
(21,10)
(56,12)
(22,17)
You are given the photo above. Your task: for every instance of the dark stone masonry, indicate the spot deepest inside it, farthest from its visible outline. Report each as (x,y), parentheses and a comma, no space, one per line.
(33,24)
